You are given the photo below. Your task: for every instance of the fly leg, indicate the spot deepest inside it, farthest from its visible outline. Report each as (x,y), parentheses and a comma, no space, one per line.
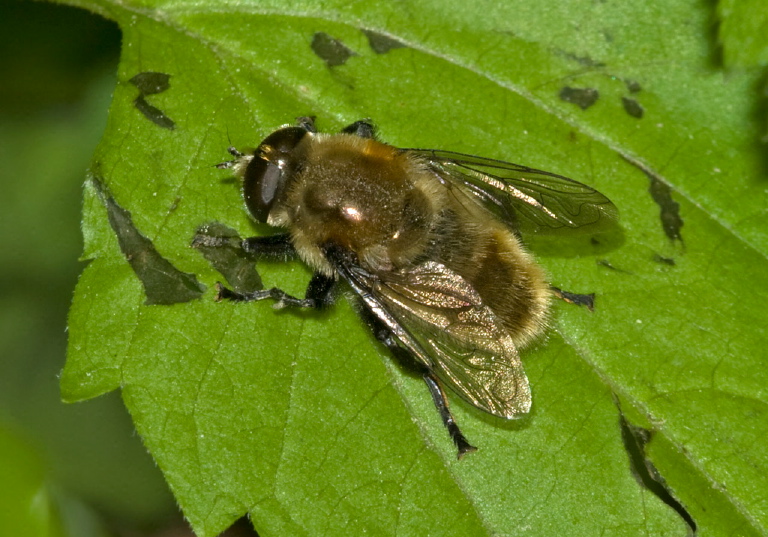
(441,402)
(307,123)
(216,236)
(385,335)
(319,292)
(574,298)
(363,128)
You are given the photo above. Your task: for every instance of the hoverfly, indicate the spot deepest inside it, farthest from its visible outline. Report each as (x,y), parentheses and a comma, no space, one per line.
(428,240)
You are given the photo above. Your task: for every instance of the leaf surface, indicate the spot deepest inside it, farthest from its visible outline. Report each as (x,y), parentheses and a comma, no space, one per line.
(303,420)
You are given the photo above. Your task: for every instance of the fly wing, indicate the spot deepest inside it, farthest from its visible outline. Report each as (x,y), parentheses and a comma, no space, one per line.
(437,315)
(530,200)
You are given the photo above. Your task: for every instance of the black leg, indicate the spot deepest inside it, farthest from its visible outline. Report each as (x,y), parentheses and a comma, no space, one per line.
(307,123)
(363,128)
(438,396)
(319,294)
(384,335)
(270,247)
(575,298)
(321,290)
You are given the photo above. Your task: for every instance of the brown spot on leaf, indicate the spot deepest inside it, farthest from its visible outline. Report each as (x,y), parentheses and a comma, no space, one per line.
(581,97)
(382,43)
(332,51)
(632,107)
(151,83)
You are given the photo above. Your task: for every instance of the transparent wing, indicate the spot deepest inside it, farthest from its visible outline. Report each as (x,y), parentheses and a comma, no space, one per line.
(530,200)
(440,318)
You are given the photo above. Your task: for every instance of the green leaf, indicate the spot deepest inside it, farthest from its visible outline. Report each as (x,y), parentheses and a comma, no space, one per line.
(306,423)
(744,32)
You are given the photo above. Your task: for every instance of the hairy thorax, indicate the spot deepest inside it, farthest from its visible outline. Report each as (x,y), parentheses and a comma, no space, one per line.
(364,196)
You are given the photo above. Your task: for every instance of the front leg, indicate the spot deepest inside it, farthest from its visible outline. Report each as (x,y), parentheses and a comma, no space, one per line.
(363,128)
(277,247)
(307,123)
(319,291)
(319,294)
(215,236)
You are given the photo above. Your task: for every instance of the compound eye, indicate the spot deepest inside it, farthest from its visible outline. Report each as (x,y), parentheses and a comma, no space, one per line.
(262,180)
(275,160)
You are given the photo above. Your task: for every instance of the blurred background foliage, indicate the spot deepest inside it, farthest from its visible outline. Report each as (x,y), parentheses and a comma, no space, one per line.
(65,470)
(70,470)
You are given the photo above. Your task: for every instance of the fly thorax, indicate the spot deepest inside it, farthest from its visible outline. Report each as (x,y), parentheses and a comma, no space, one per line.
(384,225)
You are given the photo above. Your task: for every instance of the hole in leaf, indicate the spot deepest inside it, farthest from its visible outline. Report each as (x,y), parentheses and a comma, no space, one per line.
(163,283)
(645,472)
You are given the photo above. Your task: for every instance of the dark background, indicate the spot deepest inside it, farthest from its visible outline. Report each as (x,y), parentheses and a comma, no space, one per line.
(80,470)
